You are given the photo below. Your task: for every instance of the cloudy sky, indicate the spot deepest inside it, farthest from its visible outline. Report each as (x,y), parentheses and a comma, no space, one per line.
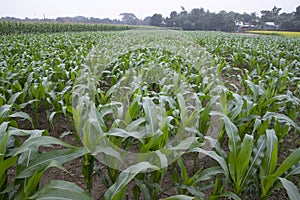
(141,8)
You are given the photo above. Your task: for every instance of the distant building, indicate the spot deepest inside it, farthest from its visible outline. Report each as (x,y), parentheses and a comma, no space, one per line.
(271,25)
(243,25)
(239,23)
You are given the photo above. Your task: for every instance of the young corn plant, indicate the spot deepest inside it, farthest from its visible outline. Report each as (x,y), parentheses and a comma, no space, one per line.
(150,93)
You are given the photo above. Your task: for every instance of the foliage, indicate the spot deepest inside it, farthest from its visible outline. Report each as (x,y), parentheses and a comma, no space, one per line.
(11,27)
(160,97)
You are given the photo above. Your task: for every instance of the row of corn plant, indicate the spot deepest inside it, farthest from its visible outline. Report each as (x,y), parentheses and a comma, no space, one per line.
(151,106)
(12,27)
(262,109)
(143,90)
(37,73)
(247,124)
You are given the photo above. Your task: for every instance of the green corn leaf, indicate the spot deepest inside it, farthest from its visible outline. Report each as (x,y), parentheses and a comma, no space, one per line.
(88,170)
(289,162)
(4,110)
(179,197)
(292,190)
(111,152)
(214,143)
(125,134)
(232,132)
(13,98)
(255,161)
(134,125)
(143,189)
(243,160)
(151,116)
(281,117)
(196,192)
(185,144)
(295,170)
(23,105)
(5,165)
(33,143)
(256,89)
(234,138)
(23,132)
(227,194)
(51,116)
(101,175)
(234,144)
(270,160)
(2,99)
(21,115)
(184,174)
(132,111)
(238,105)
(207,174)
(216,157)
(33,183)
(4,135)
(256,125)
(61,190)
(116,191)
(43,159)
(183,110)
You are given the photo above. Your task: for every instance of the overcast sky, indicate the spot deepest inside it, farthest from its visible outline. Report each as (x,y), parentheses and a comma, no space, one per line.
(141,8)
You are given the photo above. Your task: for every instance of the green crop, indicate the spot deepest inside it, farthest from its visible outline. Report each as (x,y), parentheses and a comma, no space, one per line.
(152,106)
(10,27)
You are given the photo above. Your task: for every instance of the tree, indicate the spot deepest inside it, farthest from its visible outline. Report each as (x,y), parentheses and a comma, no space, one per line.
(198,17)
(271,15)
(246,17)
(287,25)
(156,20)
(275,11)
(130,19)
(146,21)
(80,19)
(60,20)
(171,22)
(266,16)
(297,13)
(95,20)
(286,16)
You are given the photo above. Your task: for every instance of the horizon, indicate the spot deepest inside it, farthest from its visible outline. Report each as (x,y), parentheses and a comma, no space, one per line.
(112,9)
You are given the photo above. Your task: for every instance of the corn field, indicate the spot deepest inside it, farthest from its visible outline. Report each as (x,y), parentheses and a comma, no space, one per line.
(151,114)
(11,27)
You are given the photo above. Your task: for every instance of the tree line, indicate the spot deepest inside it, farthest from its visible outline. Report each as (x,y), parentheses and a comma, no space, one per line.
(199,19)
(196,19)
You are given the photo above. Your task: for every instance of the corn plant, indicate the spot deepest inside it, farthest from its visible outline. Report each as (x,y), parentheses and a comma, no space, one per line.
(140,101)
(10,27)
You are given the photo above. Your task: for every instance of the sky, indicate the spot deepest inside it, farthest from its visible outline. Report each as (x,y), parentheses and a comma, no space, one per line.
(141,8)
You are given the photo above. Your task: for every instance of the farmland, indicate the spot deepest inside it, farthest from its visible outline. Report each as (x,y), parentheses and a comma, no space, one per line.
(282,33)
(149,115)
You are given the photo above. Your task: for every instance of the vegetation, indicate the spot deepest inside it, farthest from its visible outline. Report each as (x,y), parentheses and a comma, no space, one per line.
(216,114)
(11,27)
(282,33)
(196,19)
(199,19)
